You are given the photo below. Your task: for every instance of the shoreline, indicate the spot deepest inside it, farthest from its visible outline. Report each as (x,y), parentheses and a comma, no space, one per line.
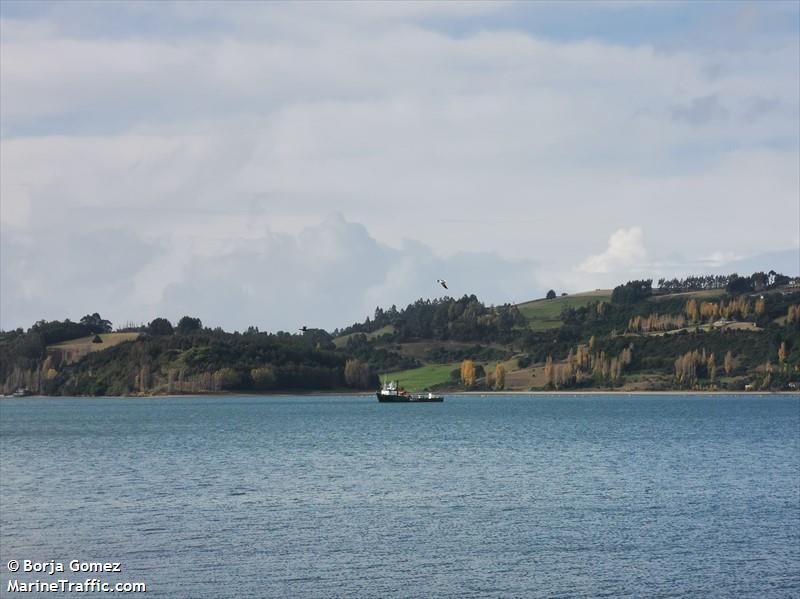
(681,392)
(583,392)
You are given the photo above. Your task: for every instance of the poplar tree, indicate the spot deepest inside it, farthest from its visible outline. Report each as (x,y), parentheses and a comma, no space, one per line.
(468,373)
(728,363)
(499,377)
(692,310)
(548,371)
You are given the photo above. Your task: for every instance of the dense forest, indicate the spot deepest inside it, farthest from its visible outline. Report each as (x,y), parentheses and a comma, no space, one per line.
(714,333)
(464,319)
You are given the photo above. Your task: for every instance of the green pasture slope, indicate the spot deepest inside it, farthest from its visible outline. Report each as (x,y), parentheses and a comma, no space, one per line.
(544,314)
(342,341)
(424,377)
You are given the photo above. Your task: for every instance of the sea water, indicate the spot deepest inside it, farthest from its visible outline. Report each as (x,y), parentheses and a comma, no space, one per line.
(340,496)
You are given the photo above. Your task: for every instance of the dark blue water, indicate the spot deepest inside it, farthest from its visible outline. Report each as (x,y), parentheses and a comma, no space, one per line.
(344,497)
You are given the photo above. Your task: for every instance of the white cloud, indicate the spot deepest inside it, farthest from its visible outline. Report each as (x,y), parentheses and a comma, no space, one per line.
(238,136)
(719,258)
(331,275)
(71,273)
(626,251)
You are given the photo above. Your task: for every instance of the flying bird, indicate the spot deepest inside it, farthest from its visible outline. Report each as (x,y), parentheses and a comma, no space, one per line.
(442,282)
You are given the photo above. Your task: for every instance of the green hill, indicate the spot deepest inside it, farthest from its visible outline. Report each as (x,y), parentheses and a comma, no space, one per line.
(424,377)
(342,340)
(76,349)
(710,333)
(543,314)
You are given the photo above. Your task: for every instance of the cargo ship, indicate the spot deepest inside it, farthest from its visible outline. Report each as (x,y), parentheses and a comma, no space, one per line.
(391,392)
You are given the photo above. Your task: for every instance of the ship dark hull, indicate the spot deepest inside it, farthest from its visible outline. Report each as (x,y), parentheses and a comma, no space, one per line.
(408,398)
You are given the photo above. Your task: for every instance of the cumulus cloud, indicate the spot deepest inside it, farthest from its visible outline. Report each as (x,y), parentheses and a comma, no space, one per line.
(720,258)
(209,136)
(625,251)
(332,274)
(69,274)
(329,275)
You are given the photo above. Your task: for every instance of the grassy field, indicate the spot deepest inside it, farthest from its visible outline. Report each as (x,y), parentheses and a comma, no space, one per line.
(420,349)
(342,341)
(704,294)
(525,378)
(544,314)
(419,379)
(543,324)
(731,326)
(75,349)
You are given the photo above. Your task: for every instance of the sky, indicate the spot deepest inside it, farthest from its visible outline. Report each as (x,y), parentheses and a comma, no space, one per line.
(286,164)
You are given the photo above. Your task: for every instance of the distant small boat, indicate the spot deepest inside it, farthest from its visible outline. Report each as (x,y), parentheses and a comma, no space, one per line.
(391,392)
(21,393)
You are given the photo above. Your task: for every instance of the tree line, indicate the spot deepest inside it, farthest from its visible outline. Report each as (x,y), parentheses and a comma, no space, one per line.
(732,283)
(463,319)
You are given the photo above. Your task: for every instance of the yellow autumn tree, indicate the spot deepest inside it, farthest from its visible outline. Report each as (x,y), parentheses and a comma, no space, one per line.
(571,361)
(582,357)
(782,353)
(728,363)
(499,377)
(468,373)
(356,374)
(761,306)
(692,310)
(548,371)
(226,378)
(264,377)
(767,382)
(709,310)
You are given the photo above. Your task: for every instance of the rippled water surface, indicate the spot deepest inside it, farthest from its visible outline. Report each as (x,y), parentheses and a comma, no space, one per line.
(517,496)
